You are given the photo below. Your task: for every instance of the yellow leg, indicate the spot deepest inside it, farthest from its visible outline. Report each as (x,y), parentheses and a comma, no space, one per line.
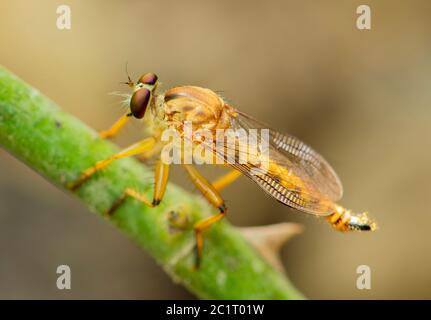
(226,179)
(207,189)
(200,227)
(160,181)
(113,130)
(137,148)
(150,153)
(213,197)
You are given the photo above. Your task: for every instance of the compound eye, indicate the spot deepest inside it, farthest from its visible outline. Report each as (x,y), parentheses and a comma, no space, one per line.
(139,102)
(148,78)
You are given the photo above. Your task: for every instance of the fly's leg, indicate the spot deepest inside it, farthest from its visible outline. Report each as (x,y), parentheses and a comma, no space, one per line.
(113,130)
(226,179)
(160,181)
(213,197)
(143,157)
(137,148)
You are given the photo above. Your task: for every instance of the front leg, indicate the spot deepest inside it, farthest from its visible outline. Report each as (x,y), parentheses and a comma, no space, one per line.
(137,148)
(115,128)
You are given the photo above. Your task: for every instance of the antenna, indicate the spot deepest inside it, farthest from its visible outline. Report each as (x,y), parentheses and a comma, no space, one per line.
(129,82)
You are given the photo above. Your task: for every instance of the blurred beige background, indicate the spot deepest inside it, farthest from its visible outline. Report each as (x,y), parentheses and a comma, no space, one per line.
(361,98)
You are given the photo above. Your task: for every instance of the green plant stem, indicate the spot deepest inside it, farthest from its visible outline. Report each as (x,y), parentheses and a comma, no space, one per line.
(60,147)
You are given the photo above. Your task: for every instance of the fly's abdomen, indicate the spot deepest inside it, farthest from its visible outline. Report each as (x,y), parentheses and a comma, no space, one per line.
(345,220)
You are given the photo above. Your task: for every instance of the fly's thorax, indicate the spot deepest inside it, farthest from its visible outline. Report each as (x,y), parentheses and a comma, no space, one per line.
(153,122)
(202,107)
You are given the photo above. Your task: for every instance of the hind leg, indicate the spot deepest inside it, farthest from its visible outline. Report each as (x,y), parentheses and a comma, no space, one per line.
(226,179)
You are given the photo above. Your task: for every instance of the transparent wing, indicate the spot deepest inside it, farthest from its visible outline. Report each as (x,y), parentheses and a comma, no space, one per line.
(295,175)
(299,157)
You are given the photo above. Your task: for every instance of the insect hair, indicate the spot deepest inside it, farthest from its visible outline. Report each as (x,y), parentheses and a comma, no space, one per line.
(125,102)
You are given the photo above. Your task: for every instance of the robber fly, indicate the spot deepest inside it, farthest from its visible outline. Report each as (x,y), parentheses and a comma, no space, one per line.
(297,176)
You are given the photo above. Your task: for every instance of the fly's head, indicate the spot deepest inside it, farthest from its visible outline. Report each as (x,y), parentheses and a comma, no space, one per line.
(143,94)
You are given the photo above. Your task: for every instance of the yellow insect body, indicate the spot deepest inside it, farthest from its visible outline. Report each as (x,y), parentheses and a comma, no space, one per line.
(205,109)
(283,166)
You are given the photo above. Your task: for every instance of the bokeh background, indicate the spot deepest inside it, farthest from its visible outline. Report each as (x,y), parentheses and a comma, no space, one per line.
(361,98)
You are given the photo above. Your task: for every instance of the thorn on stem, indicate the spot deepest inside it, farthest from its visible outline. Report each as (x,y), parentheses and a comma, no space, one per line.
(269,239)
